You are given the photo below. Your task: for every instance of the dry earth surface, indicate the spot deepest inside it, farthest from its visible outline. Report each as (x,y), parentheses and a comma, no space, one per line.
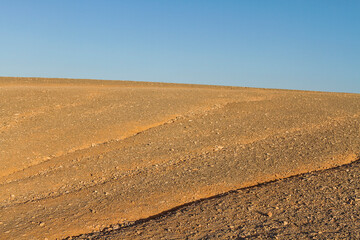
(83,156)
(321,205)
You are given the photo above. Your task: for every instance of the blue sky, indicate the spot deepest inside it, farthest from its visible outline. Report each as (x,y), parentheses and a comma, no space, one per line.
(311,45)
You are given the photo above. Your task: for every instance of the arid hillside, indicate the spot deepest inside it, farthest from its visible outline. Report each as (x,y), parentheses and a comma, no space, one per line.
(80,156)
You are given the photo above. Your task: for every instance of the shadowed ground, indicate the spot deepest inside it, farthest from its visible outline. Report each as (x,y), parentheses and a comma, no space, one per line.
(317,205)
(81,155)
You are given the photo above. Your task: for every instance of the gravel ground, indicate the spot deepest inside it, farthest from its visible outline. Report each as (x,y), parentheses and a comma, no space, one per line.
(78,156)
(316,205)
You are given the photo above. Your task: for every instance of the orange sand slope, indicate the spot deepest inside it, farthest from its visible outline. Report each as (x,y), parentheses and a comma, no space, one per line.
(80,155)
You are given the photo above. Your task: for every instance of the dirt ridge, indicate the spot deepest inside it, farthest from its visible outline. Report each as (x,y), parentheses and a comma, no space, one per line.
(211,140)
(109,229)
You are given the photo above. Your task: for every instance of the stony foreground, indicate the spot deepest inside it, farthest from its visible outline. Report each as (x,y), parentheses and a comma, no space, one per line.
(78,156)
(318,205)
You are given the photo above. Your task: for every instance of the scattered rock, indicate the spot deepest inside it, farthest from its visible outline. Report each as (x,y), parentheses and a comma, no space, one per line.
(217,148)
(117,226)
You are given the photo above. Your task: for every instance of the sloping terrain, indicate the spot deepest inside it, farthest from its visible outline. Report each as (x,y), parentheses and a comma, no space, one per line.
(80,155)
(317,205)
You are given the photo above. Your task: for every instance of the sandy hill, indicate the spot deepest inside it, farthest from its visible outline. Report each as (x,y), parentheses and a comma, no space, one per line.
(79,156)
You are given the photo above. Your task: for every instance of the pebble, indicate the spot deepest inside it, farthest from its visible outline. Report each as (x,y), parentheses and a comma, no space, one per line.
(217,148)
(41,224)
(115,227)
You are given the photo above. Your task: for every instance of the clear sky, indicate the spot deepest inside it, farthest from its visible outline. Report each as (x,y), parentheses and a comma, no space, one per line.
(312,45)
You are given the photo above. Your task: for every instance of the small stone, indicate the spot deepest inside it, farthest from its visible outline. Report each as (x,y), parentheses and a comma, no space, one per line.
(117,226)
(285,223)
(41,224)
(269,214)
(217,148)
